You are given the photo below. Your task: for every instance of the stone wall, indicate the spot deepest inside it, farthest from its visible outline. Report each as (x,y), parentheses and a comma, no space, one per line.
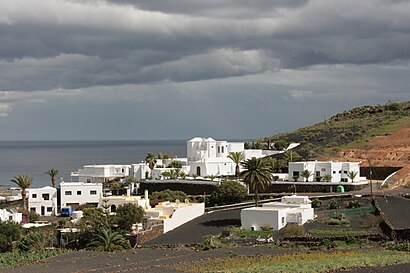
(378,173)
(279,188)
(152,233)
(190,189)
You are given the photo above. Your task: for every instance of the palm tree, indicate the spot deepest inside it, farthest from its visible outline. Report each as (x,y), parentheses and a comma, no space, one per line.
(352,175)
(327,177)
(257,175)
(24,182)
(108,241)
(236,157)
(306,174)
(151,160)
(52,173)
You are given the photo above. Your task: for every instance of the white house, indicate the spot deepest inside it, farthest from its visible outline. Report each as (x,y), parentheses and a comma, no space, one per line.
(43,201)
(100,173)
(338,170)
(112,202)
(275,215)
(174,214)
(207,156)
(74,194)
(11,215)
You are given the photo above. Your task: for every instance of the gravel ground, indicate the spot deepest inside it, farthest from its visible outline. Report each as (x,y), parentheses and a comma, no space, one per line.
(196,230)
(401,268)
(396,210)
(140,260)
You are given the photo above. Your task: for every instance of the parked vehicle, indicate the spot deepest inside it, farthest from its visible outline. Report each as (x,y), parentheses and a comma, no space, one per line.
(66,211)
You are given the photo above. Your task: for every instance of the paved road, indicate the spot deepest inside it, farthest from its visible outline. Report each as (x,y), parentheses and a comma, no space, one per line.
(396,209)
(196,230)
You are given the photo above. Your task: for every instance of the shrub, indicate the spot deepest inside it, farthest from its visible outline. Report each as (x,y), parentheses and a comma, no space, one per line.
(9,232)
(402,246)
(316,203)
(128,214)
(336,222)
(318,178)
(334,205)
(354,204)
(295,178)
(169,195)
(292,229)
(228,192)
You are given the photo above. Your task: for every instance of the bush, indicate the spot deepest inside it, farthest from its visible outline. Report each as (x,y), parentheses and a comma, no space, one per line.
(337,222)
(402,246)
(292,229)
(318,178)
(334,205)
(316,203)
(228,192)
(9,232)
(128,214)
(354,205)
(169,195)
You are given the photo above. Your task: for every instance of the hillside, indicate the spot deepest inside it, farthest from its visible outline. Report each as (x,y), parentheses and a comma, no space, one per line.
(349,129)
(379,133)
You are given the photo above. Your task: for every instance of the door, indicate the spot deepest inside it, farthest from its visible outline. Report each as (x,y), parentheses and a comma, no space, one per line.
(43,210)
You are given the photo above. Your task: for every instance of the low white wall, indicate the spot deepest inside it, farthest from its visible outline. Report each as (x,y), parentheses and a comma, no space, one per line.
(183,215)
(257,218)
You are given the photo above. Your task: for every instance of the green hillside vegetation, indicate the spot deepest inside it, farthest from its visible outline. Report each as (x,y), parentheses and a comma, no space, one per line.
(348,129)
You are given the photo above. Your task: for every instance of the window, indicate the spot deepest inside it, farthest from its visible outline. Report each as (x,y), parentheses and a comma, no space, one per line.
(345,172)
(198,171)
(122,170)
(46,196)
(49,209)
(334,172)
(283,220)
(34,195)
(88,180)
(222,149)
(78,192)
(93,192)
(323,169)
(317,173)
(33,209)
(340,171)
(68,193)
(219,149)
(295,173)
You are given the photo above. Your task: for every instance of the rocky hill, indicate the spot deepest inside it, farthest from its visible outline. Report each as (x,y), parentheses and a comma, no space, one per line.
(379,134)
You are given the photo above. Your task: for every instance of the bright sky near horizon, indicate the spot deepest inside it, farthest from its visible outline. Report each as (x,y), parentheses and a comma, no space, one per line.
(160,69)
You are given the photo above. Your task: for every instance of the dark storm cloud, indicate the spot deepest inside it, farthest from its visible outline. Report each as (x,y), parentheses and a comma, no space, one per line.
(74,44)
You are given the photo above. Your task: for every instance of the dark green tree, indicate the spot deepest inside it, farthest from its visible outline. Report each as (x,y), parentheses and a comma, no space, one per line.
(228,192)
(257,175)
(9,232)
(151,160)
(52,173)
(24,182)
(128,214)
(237,158)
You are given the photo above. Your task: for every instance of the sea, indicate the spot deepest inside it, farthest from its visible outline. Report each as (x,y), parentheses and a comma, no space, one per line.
(34,158)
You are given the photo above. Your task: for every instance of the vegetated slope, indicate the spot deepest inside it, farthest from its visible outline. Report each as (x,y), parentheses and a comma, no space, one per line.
(349,129)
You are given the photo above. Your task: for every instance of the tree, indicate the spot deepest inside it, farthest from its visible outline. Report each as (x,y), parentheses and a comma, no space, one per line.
(9,232)
(352,175)
(291,156)
(52,173)
(151,160)
(169,195)
(327,177)
(24,182)
(116,186)
(257,175)
(109,241)
(35,241)
(271,163)
(306,174)
(128,214)
(236,157)
(175,164)
(228,192)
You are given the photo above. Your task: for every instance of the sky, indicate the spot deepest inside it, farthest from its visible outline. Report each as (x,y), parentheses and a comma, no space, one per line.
(160,69)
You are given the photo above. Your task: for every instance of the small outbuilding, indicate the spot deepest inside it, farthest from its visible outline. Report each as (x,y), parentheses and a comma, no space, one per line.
(275,215)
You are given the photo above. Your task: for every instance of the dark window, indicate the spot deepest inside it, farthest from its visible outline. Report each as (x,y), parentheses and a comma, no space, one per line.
(198,171)
(334,172)
(93,192)
(88,180)
(295,173)
(34,195)
(222,149)
(46,196)
(340,171)
(113,208)
(49,209)
(78,192)
(283,220)
(317,173)
(68,193)
(33,209)
(345,172)
(219,149)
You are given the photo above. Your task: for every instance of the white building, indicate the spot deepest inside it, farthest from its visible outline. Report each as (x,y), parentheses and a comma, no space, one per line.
(172,215)
(43,201)
(338,170)
(207,156)
(73,194)
(275,215)
(112,202)
(100,173)
(11,215)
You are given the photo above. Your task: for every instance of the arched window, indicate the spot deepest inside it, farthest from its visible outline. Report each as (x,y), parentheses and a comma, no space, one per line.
(113,208)
(219,150)
(198,171)
(222,148)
